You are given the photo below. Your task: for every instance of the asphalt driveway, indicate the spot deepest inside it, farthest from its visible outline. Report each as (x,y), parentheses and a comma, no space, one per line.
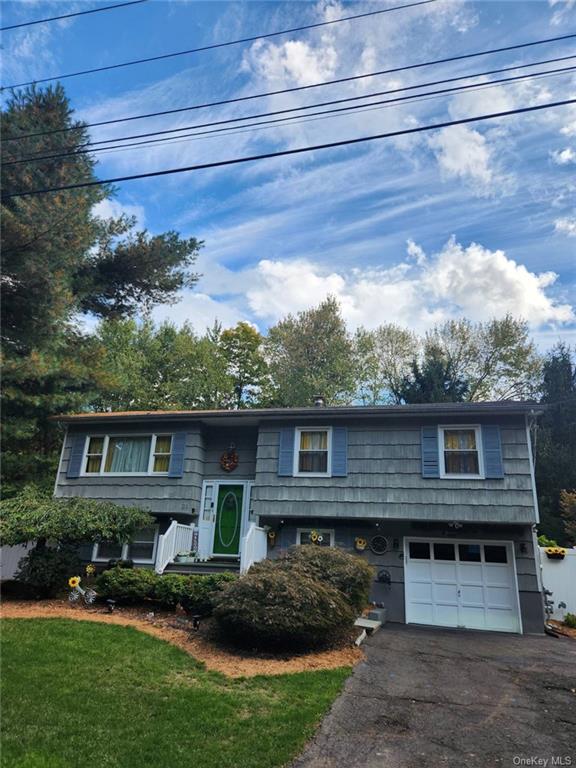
(427,698)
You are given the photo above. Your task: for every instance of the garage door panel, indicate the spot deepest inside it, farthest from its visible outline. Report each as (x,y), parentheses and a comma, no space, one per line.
(421,591)
(446,615)
(473,617)
(472,595)
(471,573)
(477,590)
(498,575)
(443,572)
(499,597)
(445,593)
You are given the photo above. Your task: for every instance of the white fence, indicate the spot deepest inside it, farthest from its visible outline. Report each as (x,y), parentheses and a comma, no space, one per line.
(559,576)
(178,538)
(254,547)
(9,559)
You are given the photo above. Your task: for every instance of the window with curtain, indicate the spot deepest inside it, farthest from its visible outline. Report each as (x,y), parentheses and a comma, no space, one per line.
(128,454)
(313,447)
(461,456)
(94,454)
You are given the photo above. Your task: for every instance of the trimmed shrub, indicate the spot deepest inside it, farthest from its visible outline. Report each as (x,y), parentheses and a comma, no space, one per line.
(349,574)
(271,607)
(570,620)
(46,571)
(195,593)
(127,585)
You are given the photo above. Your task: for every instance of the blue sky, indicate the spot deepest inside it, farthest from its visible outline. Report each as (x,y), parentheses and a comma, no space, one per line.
(475,220)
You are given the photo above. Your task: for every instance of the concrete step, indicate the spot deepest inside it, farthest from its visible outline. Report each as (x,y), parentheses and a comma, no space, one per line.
(209,566)
(370,625)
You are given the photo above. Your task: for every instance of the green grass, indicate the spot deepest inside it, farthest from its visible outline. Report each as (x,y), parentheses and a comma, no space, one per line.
(85,694)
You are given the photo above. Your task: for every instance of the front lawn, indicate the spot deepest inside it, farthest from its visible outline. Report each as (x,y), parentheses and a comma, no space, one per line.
(78,693)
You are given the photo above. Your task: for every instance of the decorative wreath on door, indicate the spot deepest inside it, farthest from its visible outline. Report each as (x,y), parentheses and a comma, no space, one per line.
(229,460)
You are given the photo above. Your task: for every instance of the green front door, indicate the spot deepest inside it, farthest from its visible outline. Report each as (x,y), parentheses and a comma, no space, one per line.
(228,520)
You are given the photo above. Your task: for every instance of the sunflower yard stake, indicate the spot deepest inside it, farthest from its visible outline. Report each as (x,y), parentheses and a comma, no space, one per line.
(77,593)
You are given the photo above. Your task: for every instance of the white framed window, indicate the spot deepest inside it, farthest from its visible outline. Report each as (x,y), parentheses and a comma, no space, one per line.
(312,452)
(127,455)
(325,536)
(460,451)
(141,548)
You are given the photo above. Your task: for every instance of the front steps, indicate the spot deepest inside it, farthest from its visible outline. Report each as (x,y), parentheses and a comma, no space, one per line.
(214,565)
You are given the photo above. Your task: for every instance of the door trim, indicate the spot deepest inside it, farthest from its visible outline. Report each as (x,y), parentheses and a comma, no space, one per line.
(206,530)
(507,542)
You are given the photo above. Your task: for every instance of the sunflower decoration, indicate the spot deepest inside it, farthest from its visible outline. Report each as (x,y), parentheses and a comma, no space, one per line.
(90,569)
(314,537)
(555,553)
(360,544)
(73,582)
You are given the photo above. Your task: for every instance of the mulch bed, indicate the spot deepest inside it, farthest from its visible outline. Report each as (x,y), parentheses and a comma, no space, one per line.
(562,629)
(176,629)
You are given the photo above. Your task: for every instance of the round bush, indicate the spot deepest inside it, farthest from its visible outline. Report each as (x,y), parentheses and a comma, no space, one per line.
(127,585)
(349,574)
(272,608)
(46,571)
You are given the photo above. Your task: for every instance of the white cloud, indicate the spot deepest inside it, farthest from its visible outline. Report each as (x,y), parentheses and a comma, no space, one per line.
(113,208)
(562,12)
(564,156)
(470,281)
(284,287)
(464,153)
(566,225)
(201,311)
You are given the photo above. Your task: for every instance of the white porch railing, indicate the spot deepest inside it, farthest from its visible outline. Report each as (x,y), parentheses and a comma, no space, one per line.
(178,538)
(253,547)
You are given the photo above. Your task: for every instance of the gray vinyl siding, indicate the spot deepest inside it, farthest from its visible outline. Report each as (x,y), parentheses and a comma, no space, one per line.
(385,480)
(217,441)
(158,494)
(392,595)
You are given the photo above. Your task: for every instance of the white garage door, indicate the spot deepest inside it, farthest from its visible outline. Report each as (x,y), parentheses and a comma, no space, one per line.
(461,584)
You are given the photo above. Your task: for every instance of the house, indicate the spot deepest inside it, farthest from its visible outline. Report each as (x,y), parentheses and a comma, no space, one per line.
(439,497)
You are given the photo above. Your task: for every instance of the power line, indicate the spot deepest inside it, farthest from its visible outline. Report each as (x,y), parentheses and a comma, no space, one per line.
(213,46)
(267,124)
(69,15)
(329,112)
(297,151)
(338,81)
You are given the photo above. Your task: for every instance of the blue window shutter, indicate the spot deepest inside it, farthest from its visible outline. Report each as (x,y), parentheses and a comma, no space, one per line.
(76,453)
(339,452)
(430,457)
(492,449)
(286,452)
(176,468)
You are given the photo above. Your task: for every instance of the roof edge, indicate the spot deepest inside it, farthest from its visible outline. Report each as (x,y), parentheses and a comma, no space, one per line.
(268,414)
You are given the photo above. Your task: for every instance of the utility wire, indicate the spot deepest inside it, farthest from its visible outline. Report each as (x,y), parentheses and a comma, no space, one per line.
(213,46)
(69,15)
(296,151)
(338,81)
(325,113)
(268,124)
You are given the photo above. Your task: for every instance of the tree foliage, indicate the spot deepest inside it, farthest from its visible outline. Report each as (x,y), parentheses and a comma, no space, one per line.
(61,259)
(33,515)
(311,354)
(555,442)
(434,381)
